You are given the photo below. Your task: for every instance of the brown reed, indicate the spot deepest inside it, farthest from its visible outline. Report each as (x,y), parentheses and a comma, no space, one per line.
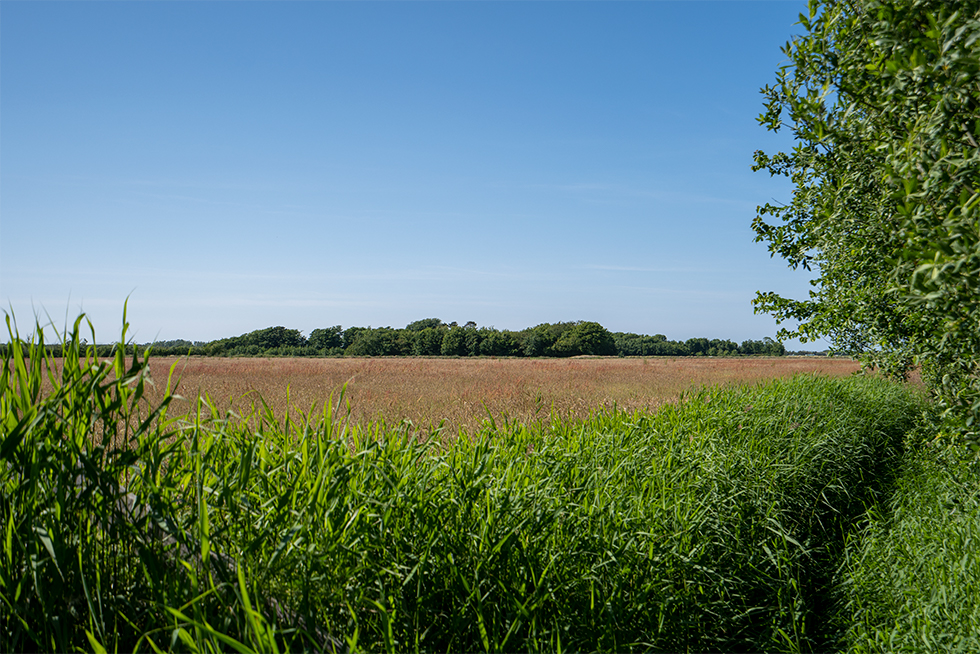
(464,392)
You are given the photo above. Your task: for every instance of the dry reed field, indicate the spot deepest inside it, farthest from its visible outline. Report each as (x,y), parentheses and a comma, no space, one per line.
(461,392)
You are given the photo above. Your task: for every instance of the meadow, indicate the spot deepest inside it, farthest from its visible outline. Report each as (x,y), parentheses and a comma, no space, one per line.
(463,392)
(795,514)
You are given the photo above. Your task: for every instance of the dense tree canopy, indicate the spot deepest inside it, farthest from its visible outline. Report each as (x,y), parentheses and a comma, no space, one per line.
(433,337)
(883,99)
(326,339)
(585,338)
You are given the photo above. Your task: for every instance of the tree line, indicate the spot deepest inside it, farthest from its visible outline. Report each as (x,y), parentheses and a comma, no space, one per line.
(433,337)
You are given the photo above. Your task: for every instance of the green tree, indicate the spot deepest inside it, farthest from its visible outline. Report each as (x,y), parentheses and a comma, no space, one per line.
(773,348)
(274,337)
(539,340)
(697,346)
(474,338)
(326,339)
(585,338)
(669,349)
(628,344)
(366,343)
(428,342)
(883,100)
(498,344)
(454,342)
(721,348)
(425,323)
(351,335)
(377,342)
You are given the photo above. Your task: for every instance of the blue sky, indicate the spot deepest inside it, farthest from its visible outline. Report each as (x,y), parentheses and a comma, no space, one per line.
(233,166)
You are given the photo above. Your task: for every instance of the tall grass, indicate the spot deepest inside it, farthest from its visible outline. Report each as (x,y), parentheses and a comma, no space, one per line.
(459,393)
(913,579)
(714,524)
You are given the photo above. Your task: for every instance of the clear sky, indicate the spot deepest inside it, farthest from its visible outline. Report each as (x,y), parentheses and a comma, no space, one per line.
(231,166)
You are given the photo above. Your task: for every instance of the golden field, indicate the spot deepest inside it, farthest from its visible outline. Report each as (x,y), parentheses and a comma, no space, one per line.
(461,392)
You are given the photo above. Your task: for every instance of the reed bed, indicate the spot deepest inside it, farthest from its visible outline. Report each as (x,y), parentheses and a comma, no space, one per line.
(462,393)
(715,524)
(913,578)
